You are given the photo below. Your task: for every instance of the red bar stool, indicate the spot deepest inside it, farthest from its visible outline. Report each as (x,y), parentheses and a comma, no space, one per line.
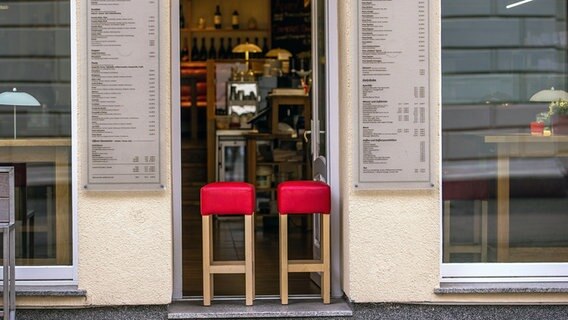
(227,198)
(304,197)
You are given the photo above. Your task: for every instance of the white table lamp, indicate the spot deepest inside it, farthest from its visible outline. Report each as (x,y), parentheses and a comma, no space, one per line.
(15,99)
(549,95)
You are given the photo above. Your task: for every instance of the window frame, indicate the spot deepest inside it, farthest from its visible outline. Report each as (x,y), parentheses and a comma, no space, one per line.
(58,275)
(496,272)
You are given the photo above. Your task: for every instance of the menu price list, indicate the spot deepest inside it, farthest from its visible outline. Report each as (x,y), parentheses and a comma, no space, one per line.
(123,62)
(393,115)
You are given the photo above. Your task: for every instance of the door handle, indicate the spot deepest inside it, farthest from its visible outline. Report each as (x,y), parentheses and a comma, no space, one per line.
(306,135)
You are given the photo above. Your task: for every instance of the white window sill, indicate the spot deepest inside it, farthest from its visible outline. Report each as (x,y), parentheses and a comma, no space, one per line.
(502,287)
(51,291)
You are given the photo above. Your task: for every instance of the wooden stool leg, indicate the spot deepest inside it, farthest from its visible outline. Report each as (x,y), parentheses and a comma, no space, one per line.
(446,231)
(325,254)
(253,237)
(207,239)
(249,275)
(283,258)
(484,210)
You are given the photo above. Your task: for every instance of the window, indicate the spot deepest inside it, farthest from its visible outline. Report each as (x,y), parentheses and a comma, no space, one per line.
(35,58)
(505,189)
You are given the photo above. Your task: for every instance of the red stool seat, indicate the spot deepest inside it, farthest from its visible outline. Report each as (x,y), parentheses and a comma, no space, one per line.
(304,197)
(224,198)
(227,198)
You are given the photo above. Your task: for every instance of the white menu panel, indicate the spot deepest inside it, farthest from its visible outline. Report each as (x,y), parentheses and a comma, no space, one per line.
(123,95)
(393,115)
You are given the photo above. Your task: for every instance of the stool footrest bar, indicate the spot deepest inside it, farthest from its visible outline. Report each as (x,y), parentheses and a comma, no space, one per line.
(305,266)
(227,267)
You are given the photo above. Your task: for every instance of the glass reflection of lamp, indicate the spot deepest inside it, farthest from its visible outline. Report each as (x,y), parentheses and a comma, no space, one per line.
(279,53)
(15,99)
(549,95)
(518,3)
(282,56)
(246,48)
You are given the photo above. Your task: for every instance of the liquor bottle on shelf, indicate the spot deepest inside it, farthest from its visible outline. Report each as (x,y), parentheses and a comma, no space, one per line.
(235,20)
(229,54)
(222,53)
(184,55)
(212,53)
(236,55)
(264,46)
(194,50)
(181,17)
(256,55)
(202,51)
(217,18)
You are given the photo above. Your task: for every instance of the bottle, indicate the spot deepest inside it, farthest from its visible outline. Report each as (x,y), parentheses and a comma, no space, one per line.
(194,51)
(181,17)
(184,55)
(229,54)
(235,20)
(236,55)
(256,55)
(217,18)
(212,53)
(202,51)
(264,46)
(222,53)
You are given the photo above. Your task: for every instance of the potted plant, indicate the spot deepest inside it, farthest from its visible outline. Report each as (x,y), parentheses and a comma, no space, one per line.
(558,113)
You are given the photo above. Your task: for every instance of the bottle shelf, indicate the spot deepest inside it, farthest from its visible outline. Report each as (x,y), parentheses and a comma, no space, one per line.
(212,30)
(187,104)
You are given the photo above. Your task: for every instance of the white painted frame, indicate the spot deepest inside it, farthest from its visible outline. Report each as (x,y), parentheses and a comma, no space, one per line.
(491,272)
(333,177)
(175,125)
(64,275)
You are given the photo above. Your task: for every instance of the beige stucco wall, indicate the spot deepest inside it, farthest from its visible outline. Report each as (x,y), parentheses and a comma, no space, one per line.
(125,238)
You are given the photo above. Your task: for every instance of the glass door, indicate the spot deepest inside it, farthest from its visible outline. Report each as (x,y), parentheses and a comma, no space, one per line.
(325,124)
(319,119)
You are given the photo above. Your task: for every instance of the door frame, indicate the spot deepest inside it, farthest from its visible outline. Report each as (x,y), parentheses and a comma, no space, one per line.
(332,56)
(175,125)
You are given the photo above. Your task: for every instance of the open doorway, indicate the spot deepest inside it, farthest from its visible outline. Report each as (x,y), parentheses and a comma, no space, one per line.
(244,121)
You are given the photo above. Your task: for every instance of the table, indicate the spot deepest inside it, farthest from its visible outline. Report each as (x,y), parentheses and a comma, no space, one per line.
(56,151)
(302,100)
(519,145)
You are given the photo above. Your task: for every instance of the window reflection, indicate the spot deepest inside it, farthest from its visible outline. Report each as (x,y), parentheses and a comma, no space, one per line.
(504,190)
(35,58)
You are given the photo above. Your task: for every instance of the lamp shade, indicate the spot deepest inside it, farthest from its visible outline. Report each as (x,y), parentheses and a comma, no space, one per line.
(246,47)
(279,53)
(549,95)
(16,98)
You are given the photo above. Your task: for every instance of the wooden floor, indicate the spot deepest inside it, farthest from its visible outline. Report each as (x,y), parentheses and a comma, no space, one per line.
(229,241)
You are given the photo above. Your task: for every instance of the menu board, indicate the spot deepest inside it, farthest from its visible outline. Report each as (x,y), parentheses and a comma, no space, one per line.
(393,116)
(123,95)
